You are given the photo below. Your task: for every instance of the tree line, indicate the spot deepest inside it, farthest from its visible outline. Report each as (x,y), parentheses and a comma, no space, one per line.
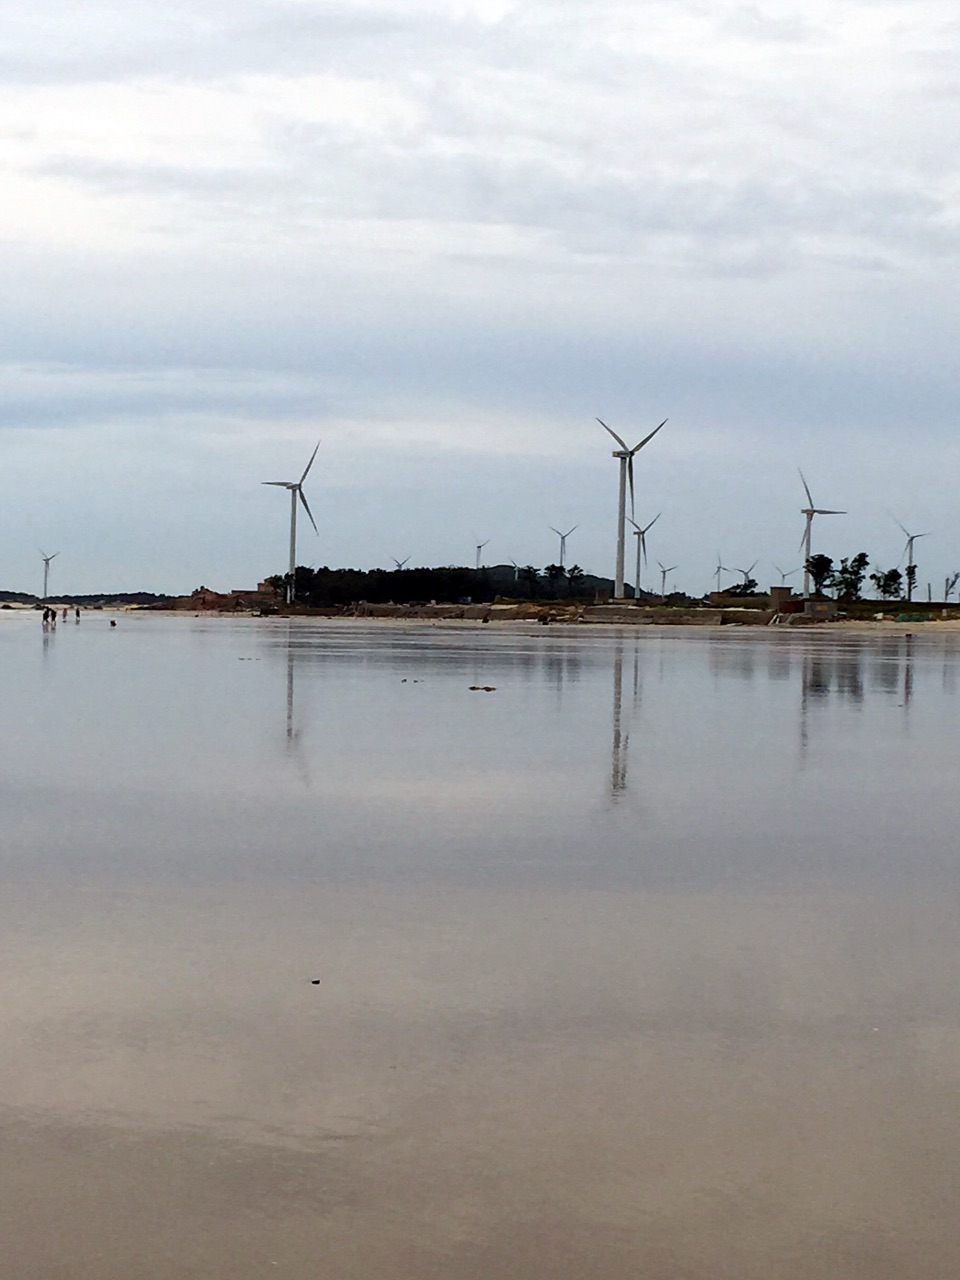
(846,579)
(450,584)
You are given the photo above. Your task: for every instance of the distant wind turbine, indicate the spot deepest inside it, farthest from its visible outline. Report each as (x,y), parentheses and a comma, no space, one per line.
(46,569)
(949,582)
(400,563)
(296,488)
(784,576)
(480,546)
(747,572)
(721,568)
(626,456)
(908,552)
(664,570)
(809,513)
(563,542)
(641,536)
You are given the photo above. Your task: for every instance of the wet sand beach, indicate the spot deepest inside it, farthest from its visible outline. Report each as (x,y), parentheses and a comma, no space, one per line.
(318,963)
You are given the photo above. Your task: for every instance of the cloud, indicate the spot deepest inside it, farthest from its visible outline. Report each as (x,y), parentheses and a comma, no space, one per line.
(446,238)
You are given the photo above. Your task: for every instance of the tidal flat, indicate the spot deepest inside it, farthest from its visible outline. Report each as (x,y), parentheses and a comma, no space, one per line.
(322,960)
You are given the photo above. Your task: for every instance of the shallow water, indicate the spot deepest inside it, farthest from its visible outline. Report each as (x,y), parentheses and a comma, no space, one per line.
(318,963)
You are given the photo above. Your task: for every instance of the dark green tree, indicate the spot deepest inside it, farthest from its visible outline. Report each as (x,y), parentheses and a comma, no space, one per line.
(889,583)
(820,569)
(848,579)
(556,575)
(530,577)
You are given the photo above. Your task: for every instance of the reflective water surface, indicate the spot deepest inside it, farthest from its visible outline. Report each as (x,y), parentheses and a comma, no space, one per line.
(319,963)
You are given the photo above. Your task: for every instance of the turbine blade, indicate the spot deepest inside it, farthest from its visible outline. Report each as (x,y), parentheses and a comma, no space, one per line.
(822,511)
(807,487)
(633,509)
(557,532)
(283,484)
(634,523)
(306,507)
(576,526)
(310,463)
(653,521)
(897,522)
(621,443)
(647,439)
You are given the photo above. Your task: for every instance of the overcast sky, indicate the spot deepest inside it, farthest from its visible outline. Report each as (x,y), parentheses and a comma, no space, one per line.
(443,237)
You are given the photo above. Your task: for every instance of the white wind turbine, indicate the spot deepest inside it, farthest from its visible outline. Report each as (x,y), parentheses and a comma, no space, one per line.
(664,570)
(721,568)
(746,572)
(563,541)
(908,552)
(784,576)
(641,536)
(809,513)
(46,569)
(480,546)
(400,563)
(626,456)
(296,488)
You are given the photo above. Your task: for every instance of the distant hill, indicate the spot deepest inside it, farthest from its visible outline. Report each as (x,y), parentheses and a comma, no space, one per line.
(99,597)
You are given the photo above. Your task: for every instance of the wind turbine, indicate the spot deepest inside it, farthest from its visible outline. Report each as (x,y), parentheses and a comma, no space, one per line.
(46,569)
(480,546)
(400,563)
(721,568)
(747,572)
(809,513)
(563,541)
(641,536)
(663,576)
(626,456)
(785,576)
(908,552)
(949,582)
(296,487)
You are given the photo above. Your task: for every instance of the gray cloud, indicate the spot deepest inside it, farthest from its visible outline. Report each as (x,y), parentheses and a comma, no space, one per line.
(446,242)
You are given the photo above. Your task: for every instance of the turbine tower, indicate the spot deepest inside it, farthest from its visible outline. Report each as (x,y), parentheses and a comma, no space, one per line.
(296,488)
(46,569)
(664,570)
(641,536)
(563,541)
(809,513)
(908,552)
(626,456)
